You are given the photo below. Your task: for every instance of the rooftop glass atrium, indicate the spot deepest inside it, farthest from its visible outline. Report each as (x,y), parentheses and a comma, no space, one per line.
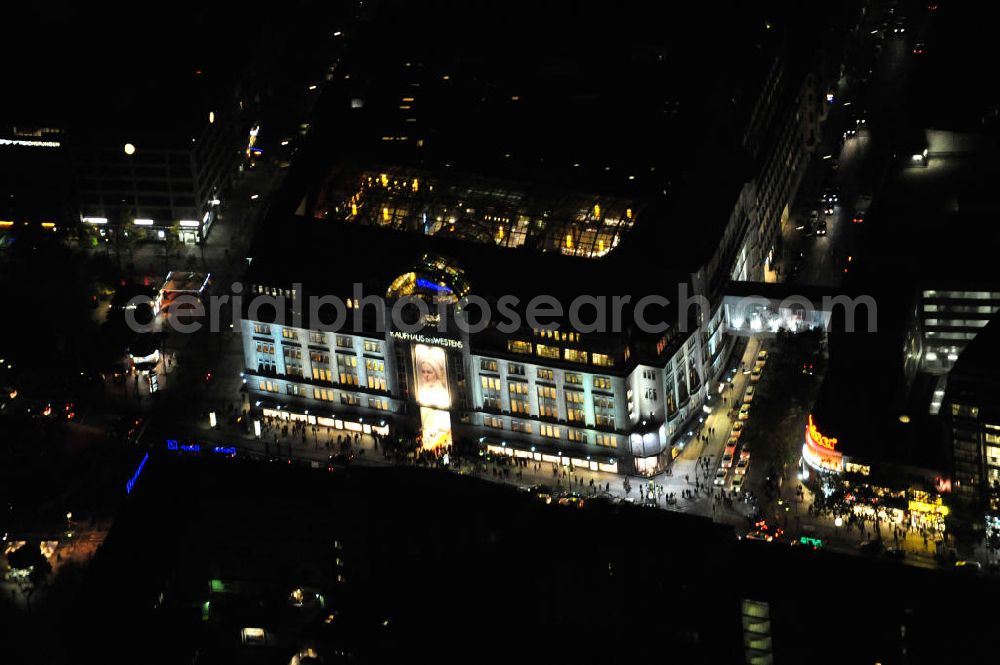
(476,209)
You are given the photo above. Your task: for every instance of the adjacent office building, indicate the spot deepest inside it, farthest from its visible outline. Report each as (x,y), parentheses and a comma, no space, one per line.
(166,175)
(971,412)
(141,133)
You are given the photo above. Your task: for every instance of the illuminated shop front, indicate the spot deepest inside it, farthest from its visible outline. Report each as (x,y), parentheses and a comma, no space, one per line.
(914,508)
(517,451)
(848,479)
(356,425)
(820,452)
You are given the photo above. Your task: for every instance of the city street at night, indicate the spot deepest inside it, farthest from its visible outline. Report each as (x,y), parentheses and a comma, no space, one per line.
(376,332)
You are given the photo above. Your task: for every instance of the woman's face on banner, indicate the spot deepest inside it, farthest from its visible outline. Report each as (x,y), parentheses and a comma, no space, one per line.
(429,374)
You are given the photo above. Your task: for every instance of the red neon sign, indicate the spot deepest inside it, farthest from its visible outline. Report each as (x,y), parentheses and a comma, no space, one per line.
(830,443)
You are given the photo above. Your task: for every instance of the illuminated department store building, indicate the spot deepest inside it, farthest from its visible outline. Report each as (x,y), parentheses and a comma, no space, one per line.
(614,402)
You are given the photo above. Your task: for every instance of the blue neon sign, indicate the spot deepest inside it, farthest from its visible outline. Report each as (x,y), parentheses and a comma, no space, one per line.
(190,448)
(171,444)
(427,284)
(225,450)
(135,476)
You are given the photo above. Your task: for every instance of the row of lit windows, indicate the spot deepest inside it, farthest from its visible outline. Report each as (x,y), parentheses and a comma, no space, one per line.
(557,335)
(957,323)
(318,337)
(544,374)
(547,401)
(964,295)
(962,309)
(554,353)
(951,335)
(964,410)
(272,291)
(553,432)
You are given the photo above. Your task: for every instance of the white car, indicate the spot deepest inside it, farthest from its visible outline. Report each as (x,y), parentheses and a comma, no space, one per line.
(720,478)
(737,484)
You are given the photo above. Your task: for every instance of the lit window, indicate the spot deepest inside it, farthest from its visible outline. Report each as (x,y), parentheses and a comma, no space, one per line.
(548,351)
(602,360)
(518,346)
(602,383)
(606,441)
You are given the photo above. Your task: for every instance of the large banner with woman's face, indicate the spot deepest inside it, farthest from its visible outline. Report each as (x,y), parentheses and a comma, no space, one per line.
(431,376)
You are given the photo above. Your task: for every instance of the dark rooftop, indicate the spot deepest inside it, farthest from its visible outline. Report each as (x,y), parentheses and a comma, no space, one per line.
(565,96)
(134,74)
(981,358)
(950,89)
(330,257)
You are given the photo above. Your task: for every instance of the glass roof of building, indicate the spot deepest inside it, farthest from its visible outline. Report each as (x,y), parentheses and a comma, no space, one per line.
(477,209)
